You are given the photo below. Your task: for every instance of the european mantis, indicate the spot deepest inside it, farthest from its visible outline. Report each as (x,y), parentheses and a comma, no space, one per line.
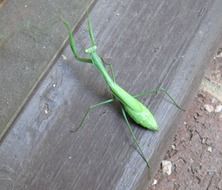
(130,105)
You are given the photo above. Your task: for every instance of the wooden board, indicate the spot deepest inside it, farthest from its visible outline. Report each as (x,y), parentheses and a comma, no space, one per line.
(31,34)
(150,43)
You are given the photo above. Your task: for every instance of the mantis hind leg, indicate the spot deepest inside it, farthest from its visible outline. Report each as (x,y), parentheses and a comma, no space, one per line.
(157,91)
(139,150)
(73,44)
(90,108)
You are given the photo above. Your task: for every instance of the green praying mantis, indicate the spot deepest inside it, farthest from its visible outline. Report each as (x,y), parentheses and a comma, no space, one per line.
(130,105)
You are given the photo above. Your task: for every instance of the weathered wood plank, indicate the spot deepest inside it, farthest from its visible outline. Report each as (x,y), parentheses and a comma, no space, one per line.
(31,33)
(150,43)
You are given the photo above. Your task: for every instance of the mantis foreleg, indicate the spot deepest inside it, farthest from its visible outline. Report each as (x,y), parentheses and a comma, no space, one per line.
(91,34)
(73,44)
(93,43)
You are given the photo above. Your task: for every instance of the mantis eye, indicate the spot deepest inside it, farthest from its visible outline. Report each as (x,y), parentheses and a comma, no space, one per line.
(91,49)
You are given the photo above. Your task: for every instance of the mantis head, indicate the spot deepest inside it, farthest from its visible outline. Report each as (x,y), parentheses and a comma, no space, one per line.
(91,49)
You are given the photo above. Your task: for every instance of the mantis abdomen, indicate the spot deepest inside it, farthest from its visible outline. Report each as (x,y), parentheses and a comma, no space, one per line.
(136,110)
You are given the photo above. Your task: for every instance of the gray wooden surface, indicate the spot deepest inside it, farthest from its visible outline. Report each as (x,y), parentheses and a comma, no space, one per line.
(150,43)
(31,34)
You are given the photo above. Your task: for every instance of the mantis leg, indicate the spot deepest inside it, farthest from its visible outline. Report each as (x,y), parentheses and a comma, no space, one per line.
(93,43)
(111,69)
(91,108)
(73,44)
(91,34)
(159,90)
(139,150)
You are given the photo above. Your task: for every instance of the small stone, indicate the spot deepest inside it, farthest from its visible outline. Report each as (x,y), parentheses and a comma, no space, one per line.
(211,172)
(166,167)
(219,53)
(154,182)
(213,100)
(26,6)
(46,111)
(173,146)
(54,85)
(209,149)
(218,108)
(185,123)
(70,157)
(203,140)
(208,108)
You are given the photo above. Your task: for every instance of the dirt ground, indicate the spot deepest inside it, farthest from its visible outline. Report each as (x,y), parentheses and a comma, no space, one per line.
(194,160)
